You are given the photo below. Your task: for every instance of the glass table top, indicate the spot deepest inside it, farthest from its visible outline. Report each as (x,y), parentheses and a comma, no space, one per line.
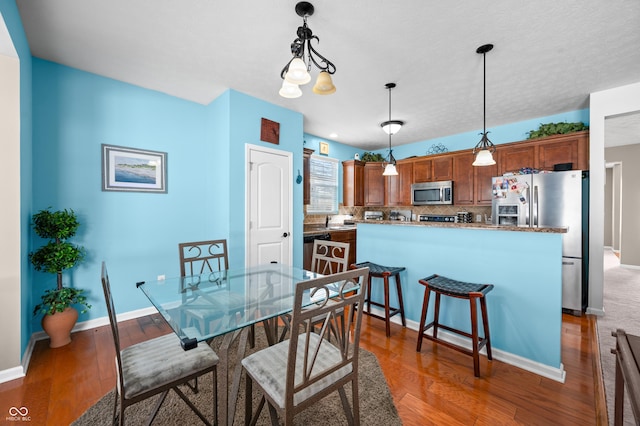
(201,307)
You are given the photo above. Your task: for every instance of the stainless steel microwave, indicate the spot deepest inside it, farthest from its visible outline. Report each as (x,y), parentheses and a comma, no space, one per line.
(431,193)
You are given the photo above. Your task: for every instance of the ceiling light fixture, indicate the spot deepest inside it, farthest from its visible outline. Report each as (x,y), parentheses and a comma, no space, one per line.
(391,127)
(296,72)
(485,148)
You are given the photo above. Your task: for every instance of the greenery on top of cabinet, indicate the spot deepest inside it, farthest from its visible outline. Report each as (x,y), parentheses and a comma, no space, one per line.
(550,129)
(371,157)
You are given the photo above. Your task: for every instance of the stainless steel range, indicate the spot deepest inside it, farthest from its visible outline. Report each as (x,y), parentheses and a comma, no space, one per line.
(436,218)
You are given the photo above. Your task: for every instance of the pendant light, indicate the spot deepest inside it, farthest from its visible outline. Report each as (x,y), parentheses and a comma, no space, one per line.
(485,148)
(391,127)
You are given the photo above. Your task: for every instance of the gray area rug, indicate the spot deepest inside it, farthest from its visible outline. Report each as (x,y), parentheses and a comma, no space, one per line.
(621,302)
(376,403)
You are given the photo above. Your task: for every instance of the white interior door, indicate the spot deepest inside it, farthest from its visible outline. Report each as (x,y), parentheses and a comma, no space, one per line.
(269,195)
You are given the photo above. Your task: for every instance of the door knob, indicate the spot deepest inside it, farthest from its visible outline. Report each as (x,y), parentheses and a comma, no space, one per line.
(286,234)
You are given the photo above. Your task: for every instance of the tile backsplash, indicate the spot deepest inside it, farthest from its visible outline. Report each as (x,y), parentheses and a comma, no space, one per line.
(358,212)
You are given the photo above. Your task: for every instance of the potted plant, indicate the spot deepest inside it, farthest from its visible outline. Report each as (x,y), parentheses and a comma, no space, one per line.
(56,256)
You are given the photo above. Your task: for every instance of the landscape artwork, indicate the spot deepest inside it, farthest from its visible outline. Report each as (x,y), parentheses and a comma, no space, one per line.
(131,169)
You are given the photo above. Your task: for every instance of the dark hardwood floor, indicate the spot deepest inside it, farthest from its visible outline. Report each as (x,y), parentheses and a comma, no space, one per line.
(434,387)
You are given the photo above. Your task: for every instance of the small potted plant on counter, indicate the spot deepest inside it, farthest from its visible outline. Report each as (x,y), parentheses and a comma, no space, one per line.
(56,256)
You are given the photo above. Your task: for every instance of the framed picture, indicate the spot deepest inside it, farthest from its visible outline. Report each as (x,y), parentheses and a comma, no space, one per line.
(133,170)
(324,148)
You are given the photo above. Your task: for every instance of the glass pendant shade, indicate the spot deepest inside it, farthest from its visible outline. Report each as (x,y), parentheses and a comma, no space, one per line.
(289,90)
(392,127)
(324,84)
(484,158)
(390,170)
(297,73)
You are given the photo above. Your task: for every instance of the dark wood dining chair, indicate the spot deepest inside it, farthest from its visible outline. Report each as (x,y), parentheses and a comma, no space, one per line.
(156,366)
(295,373)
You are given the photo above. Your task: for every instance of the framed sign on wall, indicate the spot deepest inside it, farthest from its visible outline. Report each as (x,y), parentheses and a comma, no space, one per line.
(270,131)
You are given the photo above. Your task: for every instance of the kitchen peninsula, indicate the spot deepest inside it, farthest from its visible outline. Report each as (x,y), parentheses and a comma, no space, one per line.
(524,265)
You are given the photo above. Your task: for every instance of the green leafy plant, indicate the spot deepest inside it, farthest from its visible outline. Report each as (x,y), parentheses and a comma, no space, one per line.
(55,257)
(371,157)
(556,129)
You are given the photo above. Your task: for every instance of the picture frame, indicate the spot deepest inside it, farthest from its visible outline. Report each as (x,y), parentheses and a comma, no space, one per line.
(324,148)
(133,170)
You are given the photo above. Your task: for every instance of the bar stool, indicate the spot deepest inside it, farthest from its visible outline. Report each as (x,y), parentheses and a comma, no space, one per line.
(461,290)
(384,272)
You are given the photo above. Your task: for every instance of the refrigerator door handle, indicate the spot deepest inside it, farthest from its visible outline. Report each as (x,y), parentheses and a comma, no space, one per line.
(535,205)
(568,263)
(527,216)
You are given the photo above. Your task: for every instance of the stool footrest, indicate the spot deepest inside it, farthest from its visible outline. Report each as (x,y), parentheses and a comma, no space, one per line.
(482,341)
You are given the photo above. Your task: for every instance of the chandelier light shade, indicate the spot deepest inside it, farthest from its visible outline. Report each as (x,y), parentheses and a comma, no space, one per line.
(485,148)
(297,71)
(390,127)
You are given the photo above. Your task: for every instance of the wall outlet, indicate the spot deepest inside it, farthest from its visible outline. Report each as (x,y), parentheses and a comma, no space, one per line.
(161,277)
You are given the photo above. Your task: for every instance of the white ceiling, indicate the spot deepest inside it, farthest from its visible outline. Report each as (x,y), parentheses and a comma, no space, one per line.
(548,56)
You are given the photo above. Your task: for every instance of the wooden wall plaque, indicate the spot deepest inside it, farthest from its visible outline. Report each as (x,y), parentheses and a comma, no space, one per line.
(270,131)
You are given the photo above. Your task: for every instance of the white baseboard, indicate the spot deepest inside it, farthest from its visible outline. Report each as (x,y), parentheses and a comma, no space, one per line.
(557,374)
(636,267)
(21,371)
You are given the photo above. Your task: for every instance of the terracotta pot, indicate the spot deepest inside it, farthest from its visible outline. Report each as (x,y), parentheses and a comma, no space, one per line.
(58,326)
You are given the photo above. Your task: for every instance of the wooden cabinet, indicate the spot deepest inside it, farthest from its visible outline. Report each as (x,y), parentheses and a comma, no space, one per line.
(545,153)
(513,158)
(442,168)
(572,148)
(433,169)
(463,190)
(306,154)
(482,184)
(353,183)
(398,188)
(347,236)
(373,184)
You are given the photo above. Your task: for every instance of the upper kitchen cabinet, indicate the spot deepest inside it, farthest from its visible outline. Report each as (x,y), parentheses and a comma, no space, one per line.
(463,178)
(545,153)
(353,183)
(433,169)
(512,158)
(398,188)
(483,184)
(373,184)
(572,148)
(306,154)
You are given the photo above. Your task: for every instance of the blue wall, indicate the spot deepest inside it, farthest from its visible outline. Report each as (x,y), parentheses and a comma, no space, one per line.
(137,234)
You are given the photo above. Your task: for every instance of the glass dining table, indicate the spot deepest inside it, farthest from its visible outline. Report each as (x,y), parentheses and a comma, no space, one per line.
(229,303)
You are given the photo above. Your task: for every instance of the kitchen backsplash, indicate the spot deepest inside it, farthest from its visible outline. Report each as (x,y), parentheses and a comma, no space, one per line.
(346,213)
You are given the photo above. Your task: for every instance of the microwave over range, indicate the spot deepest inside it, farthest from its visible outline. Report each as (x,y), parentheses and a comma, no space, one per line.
(431,193)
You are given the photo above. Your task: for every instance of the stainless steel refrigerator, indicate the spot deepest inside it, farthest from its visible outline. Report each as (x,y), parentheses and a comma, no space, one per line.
(547,200)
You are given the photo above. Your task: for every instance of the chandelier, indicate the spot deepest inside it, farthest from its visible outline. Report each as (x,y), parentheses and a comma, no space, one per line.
(485,148)
(296,72)
(391,127)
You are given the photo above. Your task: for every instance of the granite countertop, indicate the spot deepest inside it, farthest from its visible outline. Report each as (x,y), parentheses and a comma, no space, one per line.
(485,226)
(315,229)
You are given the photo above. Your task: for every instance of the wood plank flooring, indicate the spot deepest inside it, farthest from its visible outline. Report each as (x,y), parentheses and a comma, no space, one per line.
(434,387)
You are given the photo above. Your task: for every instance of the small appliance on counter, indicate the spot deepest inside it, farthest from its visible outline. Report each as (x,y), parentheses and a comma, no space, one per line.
(372,215)
(464,217)
(402,215)
(436,218)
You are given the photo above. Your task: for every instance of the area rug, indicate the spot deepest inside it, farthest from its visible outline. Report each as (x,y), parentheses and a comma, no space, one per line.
(376,403)
(621,297)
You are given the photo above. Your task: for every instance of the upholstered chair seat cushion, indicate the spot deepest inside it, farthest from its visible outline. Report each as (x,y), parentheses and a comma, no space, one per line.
(153,363)
(269,367)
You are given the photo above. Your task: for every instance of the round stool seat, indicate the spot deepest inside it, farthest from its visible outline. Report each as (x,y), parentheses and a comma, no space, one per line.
(378,270)
(456,288)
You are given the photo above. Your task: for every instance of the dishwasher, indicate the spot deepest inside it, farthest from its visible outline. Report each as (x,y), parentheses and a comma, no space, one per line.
(308,247)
